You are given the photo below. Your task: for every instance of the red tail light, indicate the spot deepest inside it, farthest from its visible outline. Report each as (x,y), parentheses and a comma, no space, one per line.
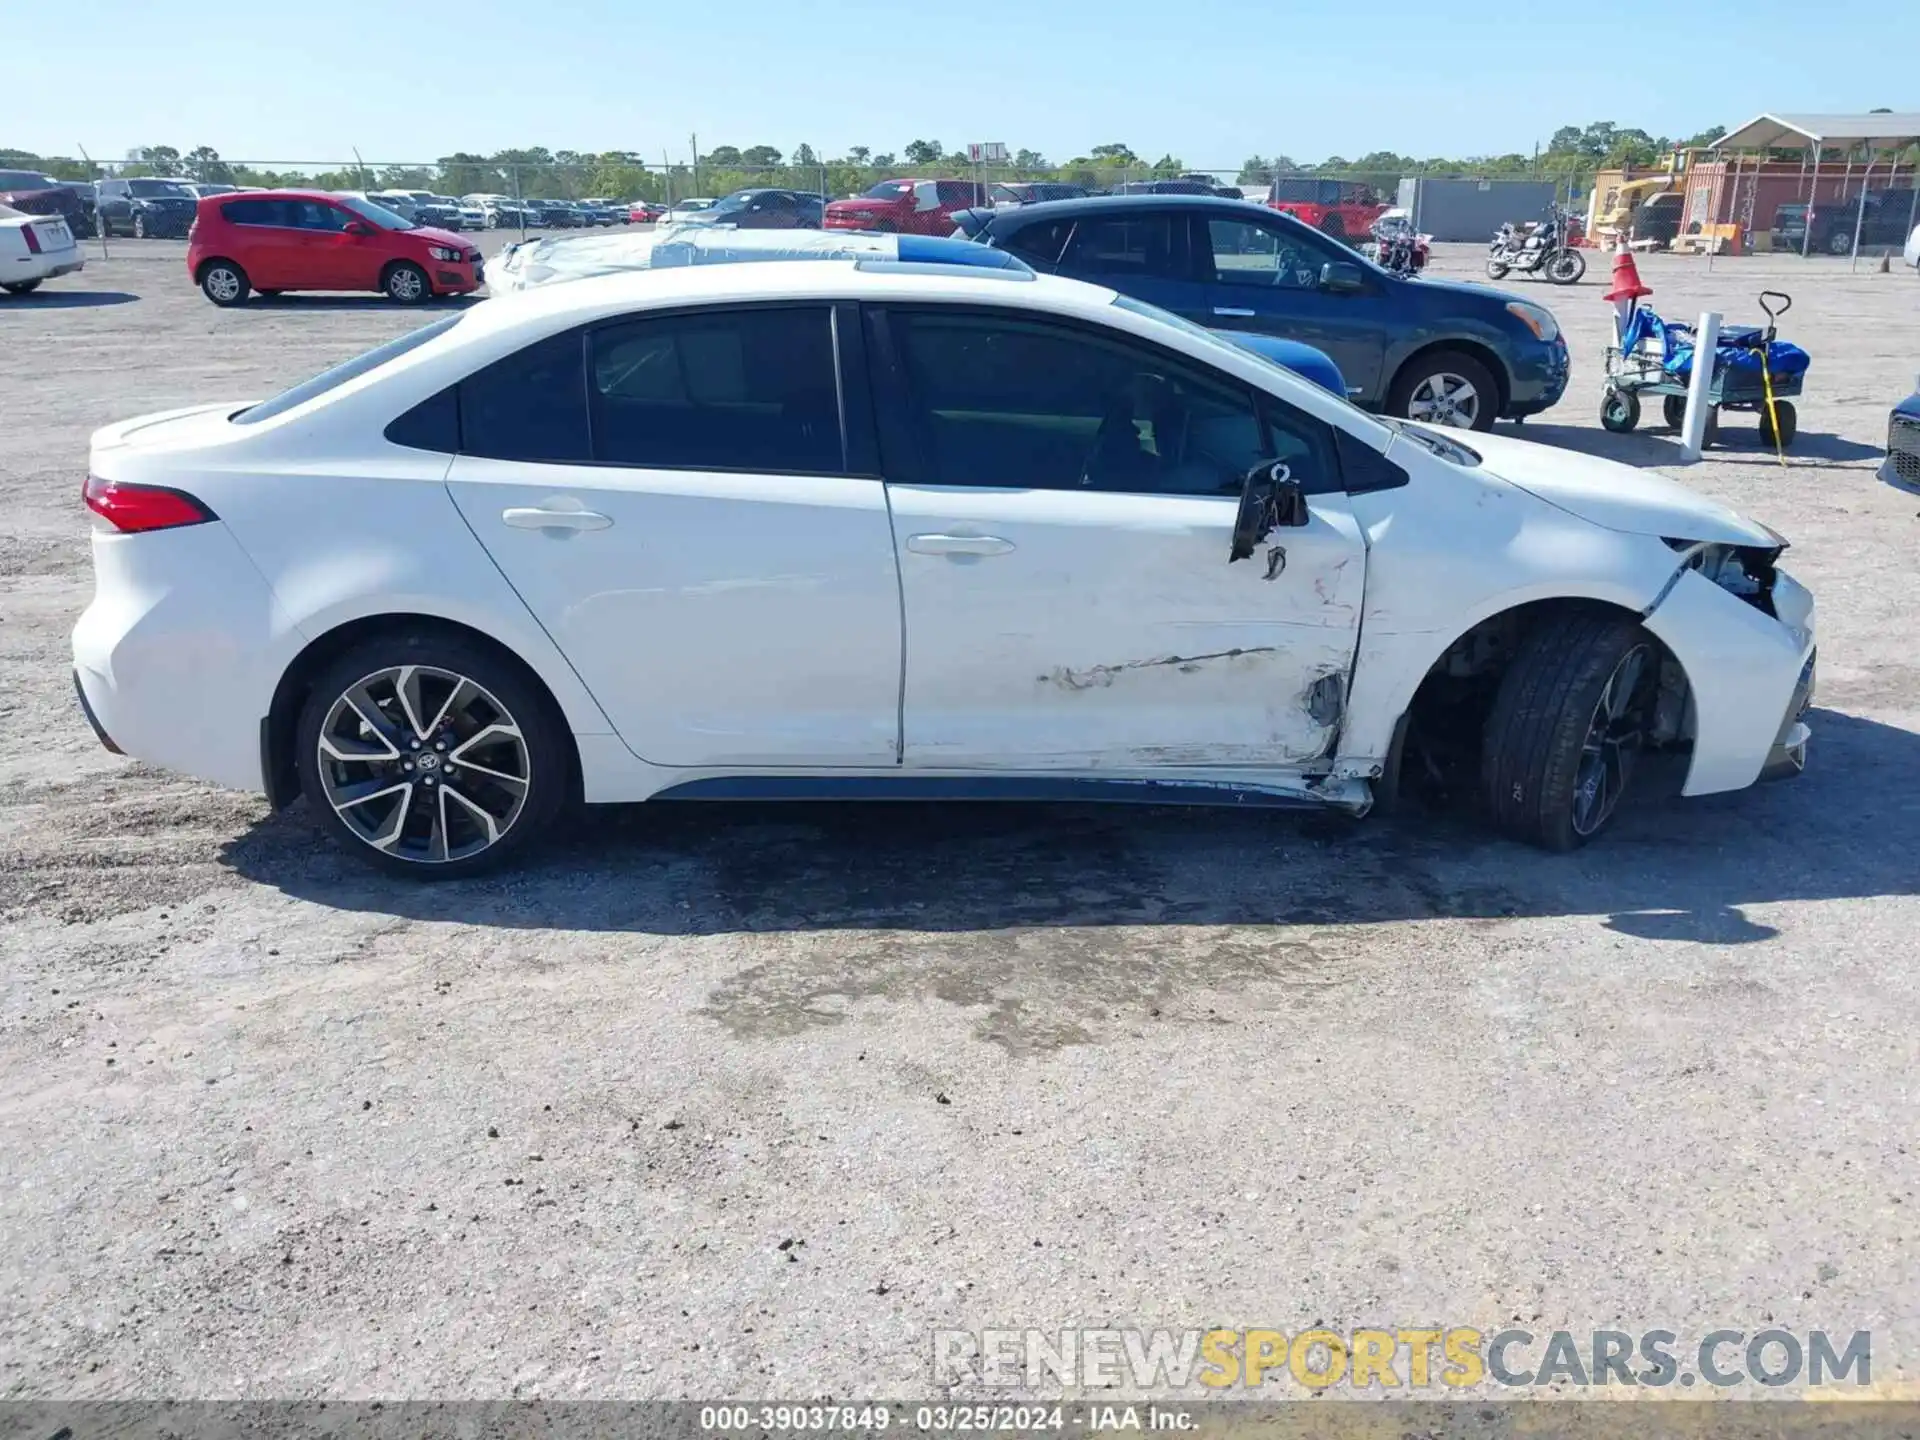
(33,240)
(136,508)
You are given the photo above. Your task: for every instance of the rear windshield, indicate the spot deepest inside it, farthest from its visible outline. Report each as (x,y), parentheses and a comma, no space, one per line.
(339,375)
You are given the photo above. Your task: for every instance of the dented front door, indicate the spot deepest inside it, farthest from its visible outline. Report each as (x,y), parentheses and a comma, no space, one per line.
(1080,630)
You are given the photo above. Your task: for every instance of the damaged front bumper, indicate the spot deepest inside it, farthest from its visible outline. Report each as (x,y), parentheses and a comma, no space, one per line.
(1788,757)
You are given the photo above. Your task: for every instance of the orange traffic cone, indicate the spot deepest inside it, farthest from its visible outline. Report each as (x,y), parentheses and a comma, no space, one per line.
(1627,288)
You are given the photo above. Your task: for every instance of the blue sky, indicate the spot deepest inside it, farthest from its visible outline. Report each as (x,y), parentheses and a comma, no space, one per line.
(1212,81)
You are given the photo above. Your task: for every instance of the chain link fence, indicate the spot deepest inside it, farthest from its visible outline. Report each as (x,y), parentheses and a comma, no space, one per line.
(529,193)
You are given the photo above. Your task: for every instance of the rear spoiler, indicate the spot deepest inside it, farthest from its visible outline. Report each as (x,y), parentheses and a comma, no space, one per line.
(972,224)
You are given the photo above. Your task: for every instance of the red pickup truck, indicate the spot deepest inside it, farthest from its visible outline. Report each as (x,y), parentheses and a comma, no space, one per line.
(908,207)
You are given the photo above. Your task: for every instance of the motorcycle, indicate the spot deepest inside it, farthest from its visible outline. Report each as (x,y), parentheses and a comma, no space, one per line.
(1397,247)
(1538,249)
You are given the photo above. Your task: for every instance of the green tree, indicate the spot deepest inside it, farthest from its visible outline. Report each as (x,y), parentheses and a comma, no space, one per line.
(885,161)
(860,154)
(1025,160)
(1114,155)
(468,174)
(1254,170)
(153,160)
(923,152)
(803,156)
(722,156)
(1168,165)
(762,157)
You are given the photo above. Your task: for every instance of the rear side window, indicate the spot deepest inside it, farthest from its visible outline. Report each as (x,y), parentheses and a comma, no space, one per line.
(1039,244)
(252,212)
(719,390)
(530,406)
(1142,245)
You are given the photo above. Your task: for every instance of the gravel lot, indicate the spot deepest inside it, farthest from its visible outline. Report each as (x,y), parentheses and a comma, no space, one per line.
(273,1126)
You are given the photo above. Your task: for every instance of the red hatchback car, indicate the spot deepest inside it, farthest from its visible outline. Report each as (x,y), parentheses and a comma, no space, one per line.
(910,207)
(274,240)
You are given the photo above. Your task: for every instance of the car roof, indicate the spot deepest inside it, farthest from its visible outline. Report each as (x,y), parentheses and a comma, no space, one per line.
(1074,209)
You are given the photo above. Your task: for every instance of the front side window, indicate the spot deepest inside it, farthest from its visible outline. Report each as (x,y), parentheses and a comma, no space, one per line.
(1135,245)
(1006,402)
(719,390)
(1250,254)
(313,215)
(376,214)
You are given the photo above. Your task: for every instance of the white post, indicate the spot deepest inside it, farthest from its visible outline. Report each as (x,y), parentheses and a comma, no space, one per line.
(1860,212)
(1693,430)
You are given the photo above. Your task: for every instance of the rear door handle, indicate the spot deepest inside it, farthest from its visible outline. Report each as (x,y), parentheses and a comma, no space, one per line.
(1230,310)
(523,517)
(958,545)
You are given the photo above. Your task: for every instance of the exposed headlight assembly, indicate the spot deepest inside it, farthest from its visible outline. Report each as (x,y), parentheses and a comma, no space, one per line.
(1743,570)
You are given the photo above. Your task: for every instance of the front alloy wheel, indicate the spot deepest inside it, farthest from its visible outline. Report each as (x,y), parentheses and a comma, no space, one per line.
(1445,399)
(407,284)
(1612,742)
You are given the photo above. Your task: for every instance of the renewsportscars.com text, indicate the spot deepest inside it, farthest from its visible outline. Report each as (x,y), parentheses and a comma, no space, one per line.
(1406,1357)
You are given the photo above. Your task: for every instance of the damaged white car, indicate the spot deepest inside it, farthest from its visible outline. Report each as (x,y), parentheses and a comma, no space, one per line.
(872,528)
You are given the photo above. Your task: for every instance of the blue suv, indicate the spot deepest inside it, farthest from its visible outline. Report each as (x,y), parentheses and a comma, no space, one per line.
(1431,350)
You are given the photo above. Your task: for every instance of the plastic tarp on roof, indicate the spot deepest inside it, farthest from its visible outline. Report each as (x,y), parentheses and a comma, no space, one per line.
(1832,132)
(576,257)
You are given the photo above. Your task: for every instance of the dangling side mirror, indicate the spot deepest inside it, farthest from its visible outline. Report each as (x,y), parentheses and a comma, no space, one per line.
(1270,499)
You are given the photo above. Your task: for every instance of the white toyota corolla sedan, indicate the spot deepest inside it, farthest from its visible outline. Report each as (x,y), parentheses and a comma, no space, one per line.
(867,528)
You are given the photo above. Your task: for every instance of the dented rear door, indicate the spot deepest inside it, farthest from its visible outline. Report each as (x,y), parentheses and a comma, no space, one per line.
(1063,612)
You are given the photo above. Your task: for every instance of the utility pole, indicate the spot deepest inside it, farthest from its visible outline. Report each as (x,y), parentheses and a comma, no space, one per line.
(694,140)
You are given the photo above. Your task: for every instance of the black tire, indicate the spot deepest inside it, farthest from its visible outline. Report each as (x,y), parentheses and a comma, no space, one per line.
(548,757)
(1789,424)
(224,283)
(1619,411)
(139,225)
(1840,243)
(1536,760)
(1710,436)
(1423,368)
(1673,410)
(406,283)
(21,287)
(1497,270)
(1567,267)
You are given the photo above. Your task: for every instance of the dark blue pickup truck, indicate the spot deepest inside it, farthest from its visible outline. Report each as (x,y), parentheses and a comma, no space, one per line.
(1450,354)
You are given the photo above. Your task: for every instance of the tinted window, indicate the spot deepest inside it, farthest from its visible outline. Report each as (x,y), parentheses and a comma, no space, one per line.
(738,390)
(530,406)
(25,180)
(1135,245)
(1040,244)
(156,188)
(1253,254)
(1008,402)
(340,374)
(253,212)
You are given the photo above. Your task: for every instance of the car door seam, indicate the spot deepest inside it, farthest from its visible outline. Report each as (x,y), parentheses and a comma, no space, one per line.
(900,598)
(453,500)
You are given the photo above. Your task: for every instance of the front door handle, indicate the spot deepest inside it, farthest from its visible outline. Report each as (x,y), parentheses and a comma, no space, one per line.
(958,545)
(523,517)
(1230,310)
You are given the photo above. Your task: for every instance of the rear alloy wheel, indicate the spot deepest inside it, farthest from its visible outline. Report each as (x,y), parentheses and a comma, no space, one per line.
(1840,243)
(1567,727)
(1446,389)
(433,767)
(407,283)
(224,283)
